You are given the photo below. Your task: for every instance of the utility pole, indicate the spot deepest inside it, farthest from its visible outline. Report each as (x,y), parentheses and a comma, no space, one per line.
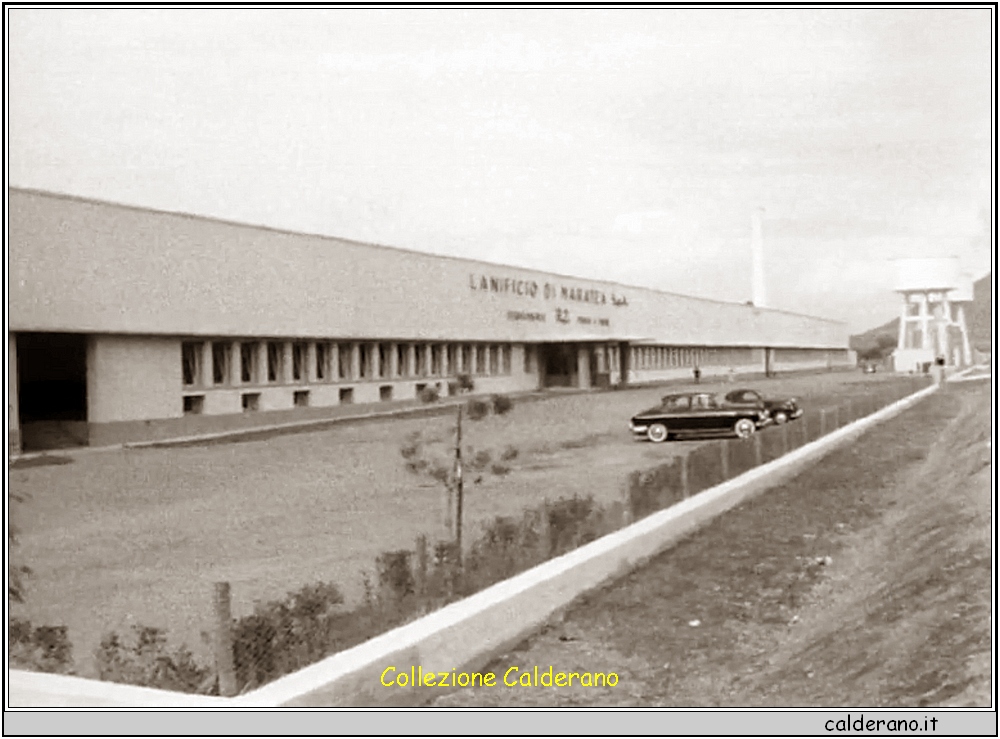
(458,487)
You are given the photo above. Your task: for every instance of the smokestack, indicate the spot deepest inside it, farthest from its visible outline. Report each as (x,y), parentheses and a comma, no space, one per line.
(759,290)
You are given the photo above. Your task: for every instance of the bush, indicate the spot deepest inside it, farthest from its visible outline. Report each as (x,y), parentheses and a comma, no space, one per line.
(502,404)
(144,659)
(465,383)
(477,409)
(39,648)
(652,490)
(429,394)
(510,452)
(284,635)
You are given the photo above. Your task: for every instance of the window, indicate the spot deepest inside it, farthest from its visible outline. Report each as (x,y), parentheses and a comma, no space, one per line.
(275,361)
(300,398)
(436,360)
(384,357)
(364,361)
(251,402)
(191,362)
(420,359)
(300,354)
(193,404)
(494,360)
(453,353)
(467,367)
(403,359)
(481,359)
(529,359)
(221,356)
(385,393)
(344,355)
(248,362)
(505,358)
(677,402)
(322,360)
(346,395)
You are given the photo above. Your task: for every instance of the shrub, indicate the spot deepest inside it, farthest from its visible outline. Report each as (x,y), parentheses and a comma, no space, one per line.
(429,394)
(502,404)
(39,648)
(652,490)
(509,453)
(283,635)
(477,409)
(465,383)
(499,469)
(144,659)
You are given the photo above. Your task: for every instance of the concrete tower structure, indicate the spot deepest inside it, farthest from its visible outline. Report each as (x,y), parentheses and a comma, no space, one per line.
(932,317)
(759,287)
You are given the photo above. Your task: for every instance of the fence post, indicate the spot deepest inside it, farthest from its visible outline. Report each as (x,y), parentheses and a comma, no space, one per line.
(724,458)
(822,421)
(224,665)
(685,484)
(421,547)
(627,500)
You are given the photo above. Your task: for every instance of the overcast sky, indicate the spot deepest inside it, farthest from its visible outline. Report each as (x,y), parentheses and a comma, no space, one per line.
(629,145)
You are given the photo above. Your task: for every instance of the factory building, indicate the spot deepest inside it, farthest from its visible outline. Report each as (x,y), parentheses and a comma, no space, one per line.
(128,324)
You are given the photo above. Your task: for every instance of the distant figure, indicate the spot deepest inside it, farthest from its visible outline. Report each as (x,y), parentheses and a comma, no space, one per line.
(731,377)
(697,374)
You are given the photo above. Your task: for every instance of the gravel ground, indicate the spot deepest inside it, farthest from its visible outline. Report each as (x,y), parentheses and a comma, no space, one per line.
(866,581)
(139,536)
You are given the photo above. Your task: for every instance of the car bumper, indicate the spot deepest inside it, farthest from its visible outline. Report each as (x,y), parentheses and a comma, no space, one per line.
(638,429)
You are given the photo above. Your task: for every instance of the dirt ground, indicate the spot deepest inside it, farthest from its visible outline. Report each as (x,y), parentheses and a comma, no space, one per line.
(138,536)
(866,581)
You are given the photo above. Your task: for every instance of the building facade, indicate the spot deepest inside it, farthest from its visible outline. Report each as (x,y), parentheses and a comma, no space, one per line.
(128,324)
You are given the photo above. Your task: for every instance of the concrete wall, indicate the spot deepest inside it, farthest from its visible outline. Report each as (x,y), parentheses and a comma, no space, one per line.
(91,267)
(132,378)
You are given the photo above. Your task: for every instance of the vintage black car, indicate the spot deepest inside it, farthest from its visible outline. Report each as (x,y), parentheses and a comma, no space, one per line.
(781,410)
(698,414)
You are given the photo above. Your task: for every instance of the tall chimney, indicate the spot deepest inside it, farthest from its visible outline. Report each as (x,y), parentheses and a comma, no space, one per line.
(759,290)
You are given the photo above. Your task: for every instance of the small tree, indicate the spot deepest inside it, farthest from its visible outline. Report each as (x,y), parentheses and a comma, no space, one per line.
(448,467)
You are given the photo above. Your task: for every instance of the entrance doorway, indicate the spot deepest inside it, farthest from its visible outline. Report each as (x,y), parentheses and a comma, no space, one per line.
(557,363)
(52,390)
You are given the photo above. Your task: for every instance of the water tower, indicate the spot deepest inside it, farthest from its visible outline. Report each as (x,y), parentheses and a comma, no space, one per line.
(932,319)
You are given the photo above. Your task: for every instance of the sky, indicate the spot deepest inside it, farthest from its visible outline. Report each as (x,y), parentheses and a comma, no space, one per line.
(626,145)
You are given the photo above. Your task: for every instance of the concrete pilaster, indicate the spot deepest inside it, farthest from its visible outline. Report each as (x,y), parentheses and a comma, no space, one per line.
(311,375)
(235,364)
(286,363)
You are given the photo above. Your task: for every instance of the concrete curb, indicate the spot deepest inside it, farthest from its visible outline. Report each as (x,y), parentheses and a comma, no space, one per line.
(467,633)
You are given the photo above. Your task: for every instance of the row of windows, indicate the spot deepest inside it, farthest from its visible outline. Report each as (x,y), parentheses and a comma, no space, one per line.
(663,357)
(666,357)
(258,363)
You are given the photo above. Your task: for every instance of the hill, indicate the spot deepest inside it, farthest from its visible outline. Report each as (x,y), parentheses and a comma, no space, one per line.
(978,320)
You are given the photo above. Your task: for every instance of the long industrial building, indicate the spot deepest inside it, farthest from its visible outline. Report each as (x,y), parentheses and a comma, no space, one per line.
(129,324)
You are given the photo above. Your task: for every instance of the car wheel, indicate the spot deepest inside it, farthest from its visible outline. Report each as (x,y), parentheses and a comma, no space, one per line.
(744,428)
(657,433)
(780,417)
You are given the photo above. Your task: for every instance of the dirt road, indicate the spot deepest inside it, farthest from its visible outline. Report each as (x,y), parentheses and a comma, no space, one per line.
(866,581)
